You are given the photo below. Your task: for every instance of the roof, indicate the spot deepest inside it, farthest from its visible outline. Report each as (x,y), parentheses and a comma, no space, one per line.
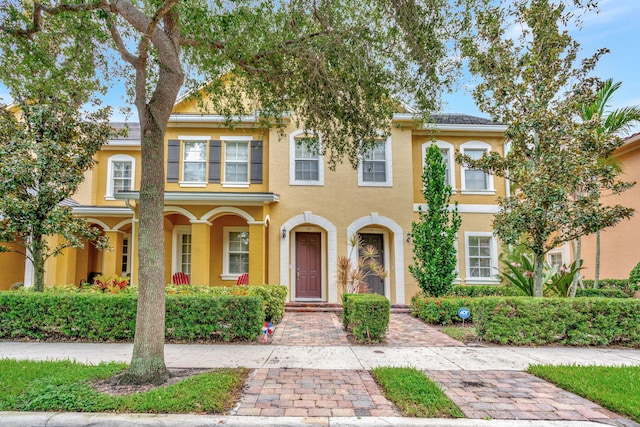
(133,130)
(69,202)
(460,119)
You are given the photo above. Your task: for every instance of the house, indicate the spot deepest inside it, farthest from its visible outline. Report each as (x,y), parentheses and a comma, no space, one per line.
(618,250)
(261,201)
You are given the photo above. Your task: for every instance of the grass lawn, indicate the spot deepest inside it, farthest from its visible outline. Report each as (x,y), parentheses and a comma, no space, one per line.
(415,394)
(615,388)
(465,334)
(67,386)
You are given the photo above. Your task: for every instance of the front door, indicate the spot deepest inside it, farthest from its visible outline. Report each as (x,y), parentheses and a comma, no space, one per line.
(374,283)
(308,266)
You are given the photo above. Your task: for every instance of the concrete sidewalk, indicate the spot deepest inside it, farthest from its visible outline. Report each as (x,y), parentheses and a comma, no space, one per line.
(255,356)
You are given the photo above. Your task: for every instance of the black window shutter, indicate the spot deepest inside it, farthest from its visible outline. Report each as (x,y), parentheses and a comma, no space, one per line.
(256,162)
(173,160)
(215,149)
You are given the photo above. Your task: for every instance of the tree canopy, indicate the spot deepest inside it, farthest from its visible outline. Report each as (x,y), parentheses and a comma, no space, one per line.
(535,85)
(342,67)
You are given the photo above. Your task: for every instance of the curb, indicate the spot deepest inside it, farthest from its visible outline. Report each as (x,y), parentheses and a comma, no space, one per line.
(77,419)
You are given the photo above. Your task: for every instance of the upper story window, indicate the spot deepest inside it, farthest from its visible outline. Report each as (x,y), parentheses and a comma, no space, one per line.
(476,181)
(121,174)
(236,162)
(375,167)
(307,165)
(233,161)
(447,151)
(194,161)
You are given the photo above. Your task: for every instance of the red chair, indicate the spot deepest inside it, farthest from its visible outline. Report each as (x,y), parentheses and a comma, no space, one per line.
(180,278)
(243,279)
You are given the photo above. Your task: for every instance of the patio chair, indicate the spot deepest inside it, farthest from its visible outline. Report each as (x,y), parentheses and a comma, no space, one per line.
(243,279)
(180,278)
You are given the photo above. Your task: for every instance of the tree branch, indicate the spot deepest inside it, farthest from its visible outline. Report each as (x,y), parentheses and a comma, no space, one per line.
(122,49)
(39,9)
(153,24)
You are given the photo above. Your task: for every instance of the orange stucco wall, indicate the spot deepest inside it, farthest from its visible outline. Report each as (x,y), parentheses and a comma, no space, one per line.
(619,251)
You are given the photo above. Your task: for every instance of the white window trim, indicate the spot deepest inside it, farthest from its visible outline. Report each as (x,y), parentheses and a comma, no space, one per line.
(450,160)
(118,158)
(236,184)
(292,160)
(176,242)
(387,166)
(225,252)
(475,145)
(129,253)
(494,259)
(192,138)
(564,251)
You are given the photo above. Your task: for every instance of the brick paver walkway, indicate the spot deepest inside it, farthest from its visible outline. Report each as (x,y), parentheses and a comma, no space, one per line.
(516,395)
(314,328)
(313,393)
(407,331)
(325,329)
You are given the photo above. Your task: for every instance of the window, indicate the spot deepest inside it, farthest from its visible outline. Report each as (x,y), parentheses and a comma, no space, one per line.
(555,258)
(194,161)
(236,252)
(126,256)
(306,163)
(182,249)
(236,162)
(375,168)
(482,258)
(447,151)
(473,180)
(121,172)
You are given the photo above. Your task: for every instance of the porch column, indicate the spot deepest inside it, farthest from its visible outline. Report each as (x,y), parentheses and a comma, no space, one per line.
(200,252)
(66,267)
(257,253)
(134,252)
(112,257)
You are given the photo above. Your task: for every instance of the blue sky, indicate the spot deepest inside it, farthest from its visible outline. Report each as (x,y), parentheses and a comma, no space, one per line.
(614,27)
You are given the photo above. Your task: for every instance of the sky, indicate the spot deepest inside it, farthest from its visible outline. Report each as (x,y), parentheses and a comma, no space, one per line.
(615,27)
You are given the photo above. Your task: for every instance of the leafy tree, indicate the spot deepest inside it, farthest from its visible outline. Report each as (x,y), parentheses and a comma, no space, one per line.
(336,64)
(609,125)
(46,145)
(534,86)
(434,234)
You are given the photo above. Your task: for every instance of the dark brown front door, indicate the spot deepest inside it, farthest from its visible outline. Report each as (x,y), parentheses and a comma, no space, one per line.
(374,283)
(308,266)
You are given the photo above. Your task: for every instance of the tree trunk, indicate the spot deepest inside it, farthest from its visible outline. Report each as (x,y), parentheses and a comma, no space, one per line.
(577,254)
(596,273)
(147,361)
(538,266)
(37,252)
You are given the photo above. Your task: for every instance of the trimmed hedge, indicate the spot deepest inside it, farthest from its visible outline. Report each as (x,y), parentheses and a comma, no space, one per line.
(483,291)
(601,293)
(104,317)
(568,321)
(366,315)
(624,285)
(442,311)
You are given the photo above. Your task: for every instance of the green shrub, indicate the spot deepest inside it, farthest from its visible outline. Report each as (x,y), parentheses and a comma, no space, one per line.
(575,321)
(275,298)
(627,286)
(367,316)
(345,310)
(483,291)
(441,311)
(602,293)
(105,317)
(634,275)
